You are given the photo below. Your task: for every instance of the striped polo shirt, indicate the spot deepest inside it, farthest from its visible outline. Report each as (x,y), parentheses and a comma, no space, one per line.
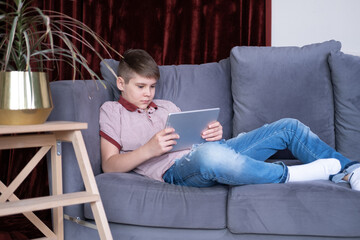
(128,127)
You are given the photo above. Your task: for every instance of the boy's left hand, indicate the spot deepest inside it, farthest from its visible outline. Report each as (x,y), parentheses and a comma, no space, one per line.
(214,132)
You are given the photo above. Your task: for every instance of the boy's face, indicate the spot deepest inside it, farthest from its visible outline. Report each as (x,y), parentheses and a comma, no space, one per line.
(139,91)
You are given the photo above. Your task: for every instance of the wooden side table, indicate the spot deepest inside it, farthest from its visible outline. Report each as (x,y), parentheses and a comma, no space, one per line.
(48,136)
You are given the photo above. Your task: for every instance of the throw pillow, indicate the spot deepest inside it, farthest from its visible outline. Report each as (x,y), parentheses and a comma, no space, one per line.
(345,70)
(270,83)
(109,77)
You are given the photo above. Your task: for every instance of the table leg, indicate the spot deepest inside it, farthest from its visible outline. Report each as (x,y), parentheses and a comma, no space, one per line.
(57,189)
(90,185)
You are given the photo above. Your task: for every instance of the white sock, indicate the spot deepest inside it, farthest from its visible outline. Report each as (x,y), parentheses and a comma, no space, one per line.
(354,179)
(320,169)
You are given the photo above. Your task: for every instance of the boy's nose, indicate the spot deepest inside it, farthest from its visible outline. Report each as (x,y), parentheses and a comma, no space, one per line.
(147,91)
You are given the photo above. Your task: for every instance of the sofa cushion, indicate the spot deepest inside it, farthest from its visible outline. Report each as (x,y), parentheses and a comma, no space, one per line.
(132,199)
(190,87)
(345,70)
(316,208)
(270,83)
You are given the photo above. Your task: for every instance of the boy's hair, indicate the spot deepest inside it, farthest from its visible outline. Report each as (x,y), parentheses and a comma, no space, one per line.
(140,62)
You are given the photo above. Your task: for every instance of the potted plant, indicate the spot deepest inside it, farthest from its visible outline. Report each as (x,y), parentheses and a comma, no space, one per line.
(32,41)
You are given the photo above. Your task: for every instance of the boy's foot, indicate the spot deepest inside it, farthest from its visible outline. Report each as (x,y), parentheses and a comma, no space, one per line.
(354,179)
(320,169)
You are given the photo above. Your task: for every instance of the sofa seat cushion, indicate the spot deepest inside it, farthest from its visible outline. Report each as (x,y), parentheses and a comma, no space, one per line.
(316,208)
(133,199)
(270,83)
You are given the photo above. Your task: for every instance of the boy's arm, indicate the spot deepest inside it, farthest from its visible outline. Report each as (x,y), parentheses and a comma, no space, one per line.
(159,144)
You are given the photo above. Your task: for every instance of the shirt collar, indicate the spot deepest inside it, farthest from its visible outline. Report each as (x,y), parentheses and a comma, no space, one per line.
(131,107)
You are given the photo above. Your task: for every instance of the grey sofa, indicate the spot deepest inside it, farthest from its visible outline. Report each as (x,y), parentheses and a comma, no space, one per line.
(317,84)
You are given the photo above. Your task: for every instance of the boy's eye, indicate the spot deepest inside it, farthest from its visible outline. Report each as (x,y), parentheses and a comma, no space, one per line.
(140,86)
(153,86)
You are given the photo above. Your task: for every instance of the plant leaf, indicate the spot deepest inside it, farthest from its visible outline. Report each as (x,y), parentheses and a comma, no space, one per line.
(28,53)
(11,41)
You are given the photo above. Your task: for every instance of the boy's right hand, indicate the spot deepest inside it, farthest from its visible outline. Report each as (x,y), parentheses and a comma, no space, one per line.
(163,141)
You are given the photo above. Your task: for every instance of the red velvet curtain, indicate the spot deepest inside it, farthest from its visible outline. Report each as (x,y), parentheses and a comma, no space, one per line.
(172,31)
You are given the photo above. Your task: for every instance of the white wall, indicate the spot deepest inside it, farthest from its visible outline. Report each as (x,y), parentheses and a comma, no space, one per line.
(301,22)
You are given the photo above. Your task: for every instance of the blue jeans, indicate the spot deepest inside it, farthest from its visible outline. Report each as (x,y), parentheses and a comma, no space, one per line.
(241,160)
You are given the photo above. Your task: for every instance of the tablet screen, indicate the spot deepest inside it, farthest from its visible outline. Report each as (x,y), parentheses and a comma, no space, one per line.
(189,125)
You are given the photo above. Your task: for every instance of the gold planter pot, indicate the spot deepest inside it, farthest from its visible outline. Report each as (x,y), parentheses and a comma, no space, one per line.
(24,99)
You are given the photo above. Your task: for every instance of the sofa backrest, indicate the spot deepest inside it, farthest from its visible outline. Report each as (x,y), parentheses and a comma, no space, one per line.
(345,72)
(190,87)
(270,83)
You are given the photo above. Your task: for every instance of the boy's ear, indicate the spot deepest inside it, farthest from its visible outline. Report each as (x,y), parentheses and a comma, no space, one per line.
(120,82)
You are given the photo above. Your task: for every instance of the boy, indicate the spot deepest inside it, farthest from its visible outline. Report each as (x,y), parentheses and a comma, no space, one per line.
(133,138)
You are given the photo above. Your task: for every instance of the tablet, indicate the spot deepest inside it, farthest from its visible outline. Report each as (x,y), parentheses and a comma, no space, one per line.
(189,125)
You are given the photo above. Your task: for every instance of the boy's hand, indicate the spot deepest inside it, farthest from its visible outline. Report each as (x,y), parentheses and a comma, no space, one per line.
(214,132)
(163,141)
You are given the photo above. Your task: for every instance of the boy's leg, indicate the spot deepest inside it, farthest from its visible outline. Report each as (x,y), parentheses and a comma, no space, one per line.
(354,179)
(237,161)
(305,145)
(320,169)
(263,142)
(215,162)
(351,174)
